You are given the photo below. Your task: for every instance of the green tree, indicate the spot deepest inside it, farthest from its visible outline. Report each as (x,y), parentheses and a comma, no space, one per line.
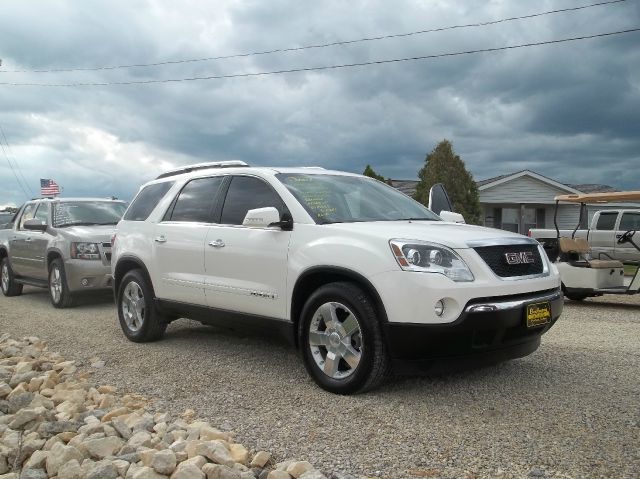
(442,165)
(370,172)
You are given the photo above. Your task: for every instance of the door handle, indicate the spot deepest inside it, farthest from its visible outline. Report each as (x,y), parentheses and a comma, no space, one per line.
(160,239)
(217,243)
(28,240)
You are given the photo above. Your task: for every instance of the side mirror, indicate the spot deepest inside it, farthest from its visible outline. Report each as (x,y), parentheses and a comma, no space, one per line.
(35,225)
(439,199)
(268,217)
(451,217)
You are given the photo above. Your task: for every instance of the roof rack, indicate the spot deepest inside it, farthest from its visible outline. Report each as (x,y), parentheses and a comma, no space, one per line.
(203,166)
(312,168)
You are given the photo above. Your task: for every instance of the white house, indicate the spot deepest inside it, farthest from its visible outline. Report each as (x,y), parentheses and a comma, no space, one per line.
(523,200)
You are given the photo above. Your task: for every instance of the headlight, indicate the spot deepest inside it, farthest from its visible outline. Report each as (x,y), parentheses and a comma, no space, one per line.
(430,258)
(85,251)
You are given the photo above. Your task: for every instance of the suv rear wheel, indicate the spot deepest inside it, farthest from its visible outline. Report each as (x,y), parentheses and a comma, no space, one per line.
(8,280)
(59,292)
(341,339)
(139,318)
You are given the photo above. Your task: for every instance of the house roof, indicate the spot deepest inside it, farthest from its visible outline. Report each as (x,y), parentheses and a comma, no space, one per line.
(408,187)
(574,188)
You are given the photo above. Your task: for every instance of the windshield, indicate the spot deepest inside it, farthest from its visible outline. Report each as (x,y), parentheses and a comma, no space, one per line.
(348,199)
(87,213)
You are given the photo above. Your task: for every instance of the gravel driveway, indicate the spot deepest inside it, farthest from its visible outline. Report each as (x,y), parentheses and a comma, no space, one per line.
(572,409)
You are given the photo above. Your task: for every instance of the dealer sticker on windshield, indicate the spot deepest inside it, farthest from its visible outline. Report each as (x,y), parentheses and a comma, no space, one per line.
(538,314)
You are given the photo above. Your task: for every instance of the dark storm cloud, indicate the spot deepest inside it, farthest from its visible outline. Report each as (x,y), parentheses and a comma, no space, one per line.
(568,111)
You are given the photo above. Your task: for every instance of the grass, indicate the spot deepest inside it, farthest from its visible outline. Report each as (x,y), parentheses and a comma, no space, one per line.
(630,269)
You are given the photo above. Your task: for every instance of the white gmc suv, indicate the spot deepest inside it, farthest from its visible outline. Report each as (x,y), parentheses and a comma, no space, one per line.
(361,278)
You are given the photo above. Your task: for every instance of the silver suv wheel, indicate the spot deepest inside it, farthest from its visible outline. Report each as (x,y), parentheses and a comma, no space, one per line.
(55,283)
(133,307)
(335,340)
(4,274)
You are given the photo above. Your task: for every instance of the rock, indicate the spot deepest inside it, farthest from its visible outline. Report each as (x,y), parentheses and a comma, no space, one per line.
(115,413)
(5,389)
(70,470)
(277,474)
(260,459)
(25,416)
(140,438)
(38,460)
(536,472)
(19,401)
(104,447)
(33,474)
(218,471)
(208,433)
(215,451)
(187,471)
(11,475)
(121,466)
(60,455)
(121,428)
(164,462)
(198,461)
(47,429)
(239,453)
(313,474)
(98,364)
(296,469)
(102,470)
(145,472)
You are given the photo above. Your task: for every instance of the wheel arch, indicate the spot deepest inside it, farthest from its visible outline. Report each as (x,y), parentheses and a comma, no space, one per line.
(53,254)
(313,278)
(3,253)
(126,264)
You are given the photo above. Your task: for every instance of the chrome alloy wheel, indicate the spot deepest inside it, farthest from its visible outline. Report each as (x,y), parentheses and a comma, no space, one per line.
(335,340)
(133,309)
(55,284)
(4,277)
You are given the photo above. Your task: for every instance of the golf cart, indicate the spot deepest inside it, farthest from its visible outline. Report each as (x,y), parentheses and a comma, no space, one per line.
(582,275)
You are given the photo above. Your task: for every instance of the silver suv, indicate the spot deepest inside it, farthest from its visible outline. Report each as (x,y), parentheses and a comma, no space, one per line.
(60,244)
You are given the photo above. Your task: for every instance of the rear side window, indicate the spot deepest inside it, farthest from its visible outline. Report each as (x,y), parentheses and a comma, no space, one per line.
(146,201)
(630,221)
(607,221)
(196,199)
(247,193)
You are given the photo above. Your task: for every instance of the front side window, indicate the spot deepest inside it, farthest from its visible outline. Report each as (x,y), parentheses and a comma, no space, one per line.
(607,221)
(86,213)
(147,200)
(247,193)
(28,214)
(42,213)
(349,199)
(630,221)
(196,199)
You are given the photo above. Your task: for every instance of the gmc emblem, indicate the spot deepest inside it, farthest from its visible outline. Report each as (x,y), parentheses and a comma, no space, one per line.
(522,257)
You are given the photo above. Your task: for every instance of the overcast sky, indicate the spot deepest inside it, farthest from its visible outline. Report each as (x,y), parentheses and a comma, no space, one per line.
(570,111)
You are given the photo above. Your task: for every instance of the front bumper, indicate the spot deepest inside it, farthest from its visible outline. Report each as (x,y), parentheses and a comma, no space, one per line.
(489,330)
(87,275)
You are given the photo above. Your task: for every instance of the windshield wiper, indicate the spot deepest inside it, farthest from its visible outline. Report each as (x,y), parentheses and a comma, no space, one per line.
(79,223)
(414,219)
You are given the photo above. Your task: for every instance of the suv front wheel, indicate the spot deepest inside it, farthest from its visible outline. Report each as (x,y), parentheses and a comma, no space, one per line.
(139,319)
(341,339)
(59,292)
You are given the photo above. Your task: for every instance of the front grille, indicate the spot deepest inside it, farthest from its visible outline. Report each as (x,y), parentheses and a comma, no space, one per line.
(494,256)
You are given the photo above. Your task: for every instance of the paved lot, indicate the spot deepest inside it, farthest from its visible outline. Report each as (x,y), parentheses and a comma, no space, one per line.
(572,409)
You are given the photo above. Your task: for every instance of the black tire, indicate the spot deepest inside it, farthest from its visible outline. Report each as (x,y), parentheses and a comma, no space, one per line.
(373,362)
(8,282)
(576,297)
(59,292)
(143,323)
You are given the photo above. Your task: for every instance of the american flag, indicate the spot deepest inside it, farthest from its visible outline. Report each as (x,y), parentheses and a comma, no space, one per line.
(49,188)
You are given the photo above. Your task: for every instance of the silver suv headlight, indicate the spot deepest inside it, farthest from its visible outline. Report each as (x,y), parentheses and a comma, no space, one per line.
(426,257)
(85,251)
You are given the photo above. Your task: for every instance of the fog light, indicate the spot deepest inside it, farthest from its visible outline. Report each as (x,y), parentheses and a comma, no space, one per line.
(84,282)
(439,308)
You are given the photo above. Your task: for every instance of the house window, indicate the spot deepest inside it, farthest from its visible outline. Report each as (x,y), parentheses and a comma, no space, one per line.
(511,219)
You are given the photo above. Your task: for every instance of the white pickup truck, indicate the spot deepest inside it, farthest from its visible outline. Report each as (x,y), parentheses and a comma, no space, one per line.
(605,229)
